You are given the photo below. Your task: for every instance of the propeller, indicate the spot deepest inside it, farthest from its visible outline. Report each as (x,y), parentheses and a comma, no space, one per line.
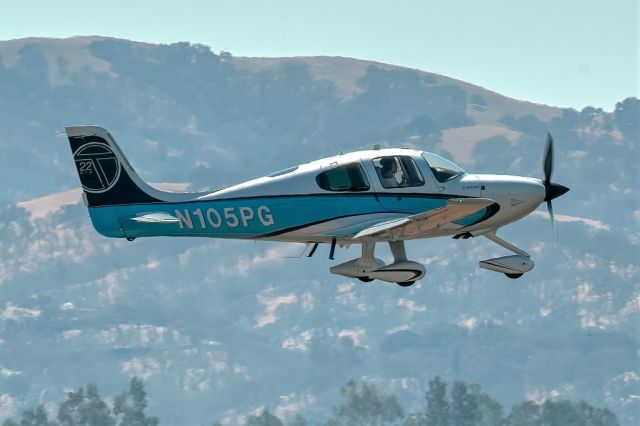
(552,190)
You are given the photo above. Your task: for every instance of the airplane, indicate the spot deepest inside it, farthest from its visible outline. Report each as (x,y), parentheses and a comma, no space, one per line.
(364,197)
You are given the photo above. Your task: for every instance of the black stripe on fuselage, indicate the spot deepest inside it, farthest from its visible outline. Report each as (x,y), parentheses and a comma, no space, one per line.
(438,196)
(417,272)
(491,211)
(317,222)
(350,194)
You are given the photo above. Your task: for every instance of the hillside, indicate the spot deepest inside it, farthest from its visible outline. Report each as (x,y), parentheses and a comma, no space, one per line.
(220,328)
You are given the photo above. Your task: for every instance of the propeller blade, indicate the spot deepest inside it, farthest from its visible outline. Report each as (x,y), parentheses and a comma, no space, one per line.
(547,165)
(553,221)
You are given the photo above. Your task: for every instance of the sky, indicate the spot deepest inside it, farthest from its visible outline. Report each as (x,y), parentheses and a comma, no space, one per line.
(568,53)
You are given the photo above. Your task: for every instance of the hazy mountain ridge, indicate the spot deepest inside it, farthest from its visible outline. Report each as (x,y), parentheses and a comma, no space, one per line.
(199,318)
(141,315)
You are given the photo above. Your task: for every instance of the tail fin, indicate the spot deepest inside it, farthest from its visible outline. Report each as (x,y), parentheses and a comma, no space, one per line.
(107,177)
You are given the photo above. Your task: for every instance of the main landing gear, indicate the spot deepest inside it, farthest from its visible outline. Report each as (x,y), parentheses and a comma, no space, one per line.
(368,268)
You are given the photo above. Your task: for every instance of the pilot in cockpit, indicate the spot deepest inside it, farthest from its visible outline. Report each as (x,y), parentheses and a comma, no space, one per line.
(388,170)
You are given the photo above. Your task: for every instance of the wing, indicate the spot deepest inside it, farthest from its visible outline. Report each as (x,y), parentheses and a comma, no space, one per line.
(423,224)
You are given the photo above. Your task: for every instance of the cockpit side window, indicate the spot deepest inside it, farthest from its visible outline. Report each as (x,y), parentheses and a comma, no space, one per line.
(443,169)
(398,172)
(349,177)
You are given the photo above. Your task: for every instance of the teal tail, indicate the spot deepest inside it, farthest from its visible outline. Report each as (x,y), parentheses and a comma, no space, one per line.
(109,181)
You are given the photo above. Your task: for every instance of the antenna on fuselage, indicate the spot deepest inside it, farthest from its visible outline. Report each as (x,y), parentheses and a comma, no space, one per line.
(331,140)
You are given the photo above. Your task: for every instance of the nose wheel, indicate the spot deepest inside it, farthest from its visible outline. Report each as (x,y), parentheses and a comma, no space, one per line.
(514,276)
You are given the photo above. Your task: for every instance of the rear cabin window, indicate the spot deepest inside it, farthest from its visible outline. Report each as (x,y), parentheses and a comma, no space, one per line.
(349,177)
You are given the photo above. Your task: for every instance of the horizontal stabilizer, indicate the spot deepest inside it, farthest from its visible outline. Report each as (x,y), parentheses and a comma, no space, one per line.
(421,224)
(156,218)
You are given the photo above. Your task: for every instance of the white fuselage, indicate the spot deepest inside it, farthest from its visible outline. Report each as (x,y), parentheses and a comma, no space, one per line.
(516,196)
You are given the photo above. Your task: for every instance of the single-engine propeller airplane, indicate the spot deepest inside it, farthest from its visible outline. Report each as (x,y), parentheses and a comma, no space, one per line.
(364,197)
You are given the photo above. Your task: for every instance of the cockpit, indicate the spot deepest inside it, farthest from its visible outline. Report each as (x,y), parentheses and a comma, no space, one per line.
(393,171)
(402,171)
(397,172)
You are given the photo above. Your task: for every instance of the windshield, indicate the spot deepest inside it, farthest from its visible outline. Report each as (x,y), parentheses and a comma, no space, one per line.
(442,168)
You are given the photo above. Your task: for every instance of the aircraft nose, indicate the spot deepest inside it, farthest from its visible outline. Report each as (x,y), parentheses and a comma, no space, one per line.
(554,190)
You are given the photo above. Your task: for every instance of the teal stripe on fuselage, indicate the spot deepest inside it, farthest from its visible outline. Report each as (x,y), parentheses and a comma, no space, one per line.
(254,217)
(105,221)
(472,218)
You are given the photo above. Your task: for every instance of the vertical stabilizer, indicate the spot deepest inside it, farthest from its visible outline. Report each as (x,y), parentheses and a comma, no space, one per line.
(106,176)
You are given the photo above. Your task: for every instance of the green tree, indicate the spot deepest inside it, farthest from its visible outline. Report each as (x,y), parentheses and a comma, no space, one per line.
(264,419)
(298,420)
(568,413)
(438,407)
(489,410)
(524,414)
(365,405)
(37,417)
(627,118)
(130,405)
(415,419)
(422,125)
(464,408)
(85,409)
(560,413)
(597,416)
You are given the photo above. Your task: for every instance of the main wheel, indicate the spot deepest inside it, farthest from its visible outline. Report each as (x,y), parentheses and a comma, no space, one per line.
(514,276)
(365,279)
(406,283)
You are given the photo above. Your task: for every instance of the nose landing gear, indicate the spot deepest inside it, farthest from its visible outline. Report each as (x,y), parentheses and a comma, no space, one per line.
(513,266)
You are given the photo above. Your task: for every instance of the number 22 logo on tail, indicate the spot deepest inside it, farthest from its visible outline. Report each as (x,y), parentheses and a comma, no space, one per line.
(98,167)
